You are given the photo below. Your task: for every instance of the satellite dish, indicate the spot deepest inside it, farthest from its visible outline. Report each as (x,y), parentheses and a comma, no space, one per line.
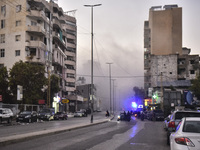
(189,97)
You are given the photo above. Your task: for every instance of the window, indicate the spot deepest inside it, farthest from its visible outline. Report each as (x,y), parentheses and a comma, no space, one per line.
(33,23)
(3,10)
(192,72)
(192,62)
(17,52)
(2,24)
(18,8)
(2,38)
(33,38)
(2,52)
(18,23)
(17,37)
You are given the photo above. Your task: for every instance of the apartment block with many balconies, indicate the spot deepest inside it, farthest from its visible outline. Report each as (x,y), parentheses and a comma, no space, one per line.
(39,32)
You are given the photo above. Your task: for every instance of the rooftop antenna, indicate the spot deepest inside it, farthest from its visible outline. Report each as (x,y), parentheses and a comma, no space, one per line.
(71,12)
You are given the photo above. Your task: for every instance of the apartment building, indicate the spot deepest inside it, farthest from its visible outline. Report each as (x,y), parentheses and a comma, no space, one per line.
(166,63)
(40,32)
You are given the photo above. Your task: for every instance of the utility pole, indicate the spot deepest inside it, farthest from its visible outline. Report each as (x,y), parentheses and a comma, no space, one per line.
(110,85)
(113,95)
(161,90)
(92,36)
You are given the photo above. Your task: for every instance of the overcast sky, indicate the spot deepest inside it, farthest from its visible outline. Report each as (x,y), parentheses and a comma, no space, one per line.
(118,38)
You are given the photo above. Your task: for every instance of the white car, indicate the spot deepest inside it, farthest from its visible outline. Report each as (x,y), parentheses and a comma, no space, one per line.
(187,135)
(6,114)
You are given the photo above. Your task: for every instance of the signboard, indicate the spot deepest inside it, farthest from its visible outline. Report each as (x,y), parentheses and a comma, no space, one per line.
(19,92)
(65,101)
(0,98)
(41,101)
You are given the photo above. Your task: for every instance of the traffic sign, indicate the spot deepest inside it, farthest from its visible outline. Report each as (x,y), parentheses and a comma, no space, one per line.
(65,101)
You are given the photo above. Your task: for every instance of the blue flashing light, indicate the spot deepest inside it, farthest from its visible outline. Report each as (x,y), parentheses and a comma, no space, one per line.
(134,105)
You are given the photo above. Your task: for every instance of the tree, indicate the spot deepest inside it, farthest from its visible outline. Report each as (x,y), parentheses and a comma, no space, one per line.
(4,85)
(32,77)
(54,86)
(195,88)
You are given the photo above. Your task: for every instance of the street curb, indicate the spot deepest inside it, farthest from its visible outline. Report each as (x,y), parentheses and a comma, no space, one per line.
(32,135)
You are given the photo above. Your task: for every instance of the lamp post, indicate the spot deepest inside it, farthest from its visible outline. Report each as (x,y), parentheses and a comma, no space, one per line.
(110,85)
(113,95)
(91,90)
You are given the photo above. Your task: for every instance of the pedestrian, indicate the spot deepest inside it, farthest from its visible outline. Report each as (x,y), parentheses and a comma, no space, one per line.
(107,113)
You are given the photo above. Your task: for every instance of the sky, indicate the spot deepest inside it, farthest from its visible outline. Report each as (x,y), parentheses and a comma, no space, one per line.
(118,39)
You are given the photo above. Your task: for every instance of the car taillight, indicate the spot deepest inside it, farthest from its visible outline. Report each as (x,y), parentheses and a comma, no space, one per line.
(171,124)
(184,141)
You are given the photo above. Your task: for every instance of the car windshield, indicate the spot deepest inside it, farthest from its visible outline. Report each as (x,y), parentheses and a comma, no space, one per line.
(25,112)
(180,115)
(192,126)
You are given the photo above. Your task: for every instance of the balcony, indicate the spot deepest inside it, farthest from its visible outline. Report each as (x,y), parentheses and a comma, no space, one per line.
(70,36)
(70,62)
(57,22)
(71,45)
(56,35)
(38,15)
(39,44)
(36,29)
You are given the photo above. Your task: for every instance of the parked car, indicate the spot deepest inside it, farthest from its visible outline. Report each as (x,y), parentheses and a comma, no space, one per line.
(6,114)
(78,114)
(27,116)
(46,114)
(84,112)
(60,115)
(166,122)
(157,114)
(187,135)
(176,118)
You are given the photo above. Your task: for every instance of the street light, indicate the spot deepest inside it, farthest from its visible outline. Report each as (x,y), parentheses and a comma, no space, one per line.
(113,95)
(110,84)
(92,57)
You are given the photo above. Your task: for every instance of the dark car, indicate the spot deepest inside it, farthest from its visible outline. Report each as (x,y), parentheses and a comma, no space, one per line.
(156,115)
(46,114)
(123,116)
(60,116)
(27,116)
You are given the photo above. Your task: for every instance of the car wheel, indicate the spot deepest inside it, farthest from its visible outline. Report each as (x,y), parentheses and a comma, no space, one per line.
(9,120)
(29,120)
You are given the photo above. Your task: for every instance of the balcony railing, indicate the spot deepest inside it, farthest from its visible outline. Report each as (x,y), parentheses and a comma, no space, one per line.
(38,29)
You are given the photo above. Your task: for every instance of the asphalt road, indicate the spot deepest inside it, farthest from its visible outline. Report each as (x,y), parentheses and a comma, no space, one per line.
(114,135)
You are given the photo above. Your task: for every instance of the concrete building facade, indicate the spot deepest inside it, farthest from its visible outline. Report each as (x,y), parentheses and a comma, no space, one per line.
(166,63)
(40,32)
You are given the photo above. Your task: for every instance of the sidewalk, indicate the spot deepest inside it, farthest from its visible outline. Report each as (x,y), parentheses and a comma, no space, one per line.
(21,137)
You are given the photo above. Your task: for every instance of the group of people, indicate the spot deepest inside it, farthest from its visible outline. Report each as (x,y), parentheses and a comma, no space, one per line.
(127,116)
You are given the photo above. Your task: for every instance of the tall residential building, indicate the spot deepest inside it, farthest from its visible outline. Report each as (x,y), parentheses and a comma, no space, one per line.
(40,32)
(166,63)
